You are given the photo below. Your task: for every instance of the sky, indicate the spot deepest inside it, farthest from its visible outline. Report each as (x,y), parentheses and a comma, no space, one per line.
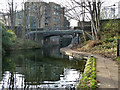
(3,6)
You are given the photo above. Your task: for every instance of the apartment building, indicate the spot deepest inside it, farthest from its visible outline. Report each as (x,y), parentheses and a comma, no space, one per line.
(49,16)
(57,19)
(19,18)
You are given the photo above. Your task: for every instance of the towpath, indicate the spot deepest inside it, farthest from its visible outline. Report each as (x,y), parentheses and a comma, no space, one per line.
(106,69)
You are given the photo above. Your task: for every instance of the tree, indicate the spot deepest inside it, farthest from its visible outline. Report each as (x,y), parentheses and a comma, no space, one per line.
(24,20)
(33,9)
(6,42)
(38,16)
(12,12)
(89,9)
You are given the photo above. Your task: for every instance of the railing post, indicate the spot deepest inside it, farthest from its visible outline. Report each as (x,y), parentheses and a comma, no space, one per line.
(117,47)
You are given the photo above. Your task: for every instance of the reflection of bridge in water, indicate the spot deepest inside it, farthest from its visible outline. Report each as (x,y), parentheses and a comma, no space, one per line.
(38,68)
(44,35)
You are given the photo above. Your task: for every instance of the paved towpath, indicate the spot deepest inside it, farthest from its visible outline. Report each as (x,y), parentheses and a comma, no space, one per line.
(106,70)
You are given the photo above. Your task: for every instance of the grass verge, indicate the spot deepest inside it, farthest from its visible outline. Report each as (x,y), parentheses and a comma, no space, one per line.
(106,48)
(89,76)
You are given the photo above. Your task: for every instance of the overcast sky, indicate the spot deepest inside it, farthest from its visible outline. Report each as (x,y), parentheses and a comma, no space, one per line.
(3,4)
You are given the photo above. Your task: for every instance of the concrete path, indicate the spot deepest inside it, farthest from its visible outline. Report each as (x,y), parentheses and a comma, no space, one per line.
(106,70)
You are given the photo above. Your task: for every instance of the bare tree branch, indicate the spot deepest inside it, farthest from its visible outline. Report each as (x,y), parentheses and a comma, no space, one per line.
(78,10)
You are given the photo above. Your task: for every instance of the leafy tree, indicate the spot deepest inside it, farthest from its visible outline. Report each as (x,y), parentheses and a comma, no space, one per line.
(6,36)
(13,35)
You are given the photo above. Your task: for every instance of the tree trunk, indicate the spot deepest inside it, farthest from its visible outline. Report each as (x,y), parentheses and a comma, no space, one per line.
(95,21)
(24,21)
(12,16)
(36,29)
(30,25)
(83,20)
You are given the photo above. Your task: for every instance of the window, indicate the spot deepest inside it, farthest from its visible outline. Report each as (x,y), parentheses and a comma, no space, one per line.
(19,16)
(19,23)
(46,24)
(56,26)
(56,13)
(55,19)
(46,21)
(56,7)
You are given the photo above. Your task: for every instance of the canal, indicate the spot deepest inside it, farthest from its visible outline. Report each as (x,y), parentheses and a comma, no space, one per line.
(40,68)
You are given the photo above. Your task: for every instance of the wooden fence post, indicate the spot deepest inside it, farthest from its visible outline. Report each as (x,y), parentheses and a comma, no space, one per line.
(117,47)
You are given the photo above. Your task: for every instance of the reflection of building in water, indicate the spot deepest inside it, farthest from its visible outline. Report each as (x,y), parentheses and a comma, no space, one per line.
(41,74)
(69,79)
(0,75)
(15,80)
(52,51)
(71,75)
(0,67)
(12,81)
(37,73)
(36,70)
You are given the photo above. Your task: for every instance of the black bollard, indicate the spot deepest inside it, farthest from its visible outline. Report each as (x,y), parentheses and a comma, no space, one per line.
(117,47)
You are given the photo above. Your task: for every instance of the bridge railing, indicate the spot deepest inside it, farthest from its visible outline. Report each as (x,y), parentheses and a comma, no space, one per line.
(89,35)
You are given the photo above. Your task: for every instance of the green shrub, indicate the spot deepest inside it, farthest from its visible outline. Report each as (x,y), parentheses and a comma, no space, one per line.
(110,29)
(88,81)
(6,42)
(109,40)
(13,35)
(93,75)
(118,58)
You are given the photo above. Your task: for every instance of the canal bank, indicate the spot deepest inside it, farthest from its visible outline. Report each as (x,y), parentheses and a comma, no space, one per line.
(106,68)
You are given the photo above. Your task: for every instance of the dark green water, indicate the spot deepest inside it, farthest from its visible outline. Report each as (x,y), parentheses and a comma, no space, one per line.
(43,68)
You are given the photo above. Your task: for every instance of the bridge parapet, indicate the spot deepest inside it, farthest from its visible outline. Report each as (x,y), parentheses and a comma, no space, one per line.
(49,33)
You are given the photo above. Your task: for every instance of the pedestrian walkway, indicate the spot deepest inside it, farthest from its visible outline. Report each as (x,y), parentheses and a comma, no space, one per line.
(106,70)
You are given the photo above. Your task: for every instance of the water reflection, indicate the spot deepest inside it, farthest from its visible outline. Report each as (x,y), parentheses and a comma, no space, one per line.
(40,69)
(0,67)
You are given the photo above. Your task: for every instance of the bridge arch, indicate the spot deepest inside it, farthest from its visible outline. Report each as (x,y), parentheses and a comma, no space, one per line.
(42,35)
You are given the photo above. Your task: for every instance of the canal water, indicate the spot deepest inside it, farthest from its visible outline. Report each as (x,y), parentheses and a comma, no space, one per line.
(41,68)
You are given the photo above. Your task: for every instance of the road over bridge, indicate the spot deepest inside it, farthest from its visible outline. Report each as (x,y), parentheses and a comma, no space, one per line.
(49,33)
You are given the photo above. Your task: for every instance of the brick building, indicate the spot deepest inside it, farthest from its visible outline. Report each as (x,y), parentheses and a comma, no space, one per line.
(49,16)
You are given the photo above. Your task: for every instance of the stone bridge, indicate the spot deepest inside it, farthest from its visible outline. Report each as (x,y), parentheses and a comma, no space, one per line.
(45,34)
